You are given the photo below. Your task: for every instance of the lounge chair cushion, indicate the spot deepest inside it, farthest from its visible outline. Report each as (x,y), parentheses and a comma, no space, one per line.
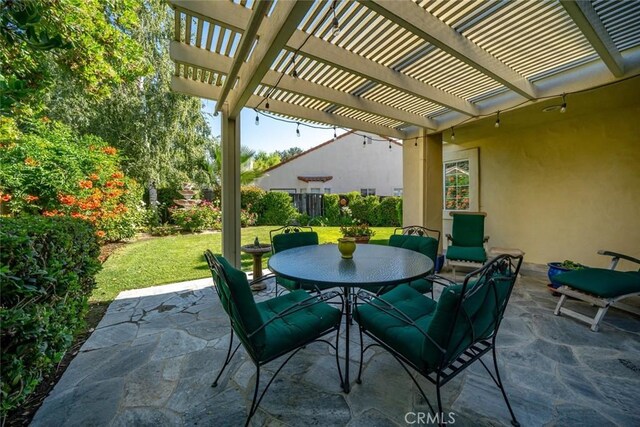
(468,230)
(397,334)
(473,254)
(294,329)
(601,282)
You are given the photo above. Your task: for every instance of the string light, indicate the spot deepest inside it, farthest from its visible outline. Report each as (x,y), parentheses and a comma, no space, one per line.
(335,25)
(298,130)
(257,119)
(294,73)
(563,108)
(497,124)
(335,136)
(453,134)
(267,104)
(416,143)
(389,145)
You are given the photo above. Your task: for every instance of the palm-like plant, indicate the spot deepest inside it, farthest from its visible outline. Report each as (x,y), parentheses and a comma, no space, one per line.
(247,173)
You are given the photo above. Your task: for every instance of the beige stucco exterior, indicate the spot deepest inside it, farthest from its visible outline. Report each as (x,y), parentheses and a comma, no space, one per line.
(350,166)
(559,186)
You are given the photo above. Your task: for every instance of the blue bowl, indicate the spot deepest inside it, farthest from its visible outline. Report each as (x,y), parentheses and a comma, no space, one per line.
(554,270)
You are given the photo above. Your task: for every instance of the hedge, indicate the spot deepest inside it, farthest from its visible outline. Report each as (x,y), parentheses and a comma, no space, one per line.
(275,208)
(47,270)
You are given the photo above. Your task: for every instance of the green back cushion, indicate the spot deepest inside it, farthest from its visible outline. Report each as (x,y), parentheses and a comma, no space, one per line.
(244,310)
(476,320)
(423,244)
(468,230)
(282,242)
(601,282)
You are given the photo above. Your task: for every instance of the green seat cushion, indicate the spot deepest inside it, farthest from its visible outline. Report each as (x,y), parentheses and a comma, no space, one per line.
(403,338)
(287,283)
(292,330)
(282,242)
(468,230)
(425,245)
(601,282)
(461,253)
(247,313)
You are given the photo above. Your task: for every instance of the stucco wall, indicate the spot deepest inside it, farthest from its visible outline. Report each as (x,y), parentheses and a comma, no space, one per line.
(351,166)
(562,186)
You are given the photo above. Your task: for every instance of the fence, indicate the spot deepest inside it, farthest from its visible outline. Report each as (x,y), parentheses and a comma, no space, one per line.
(309,203)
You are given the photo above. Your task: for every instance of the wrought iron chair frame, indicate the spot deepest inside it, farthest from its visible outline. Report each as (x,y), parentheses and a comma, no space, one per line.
(239,329)
(473,352)
(292,227)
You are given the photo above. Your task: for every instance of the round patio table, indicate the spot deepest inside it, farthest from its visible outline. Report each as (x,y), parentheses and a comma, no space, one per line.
(371,266)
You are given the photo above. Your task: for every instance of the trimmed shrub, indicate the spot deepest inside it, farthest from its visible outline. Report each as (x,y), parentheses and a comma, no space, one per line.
(197,218)
(276,208)
(47,270)
(250,197)
(386,213)
(332,209)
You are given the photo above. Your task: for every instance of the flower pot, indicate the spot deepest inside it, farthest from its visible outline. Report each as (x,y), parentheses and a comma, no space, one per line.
(347,246)
(555,268)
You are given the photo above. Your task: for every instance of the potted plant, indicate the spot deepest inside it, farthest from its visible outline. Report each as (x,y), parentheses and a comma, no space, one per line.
(556,268)
(360,232)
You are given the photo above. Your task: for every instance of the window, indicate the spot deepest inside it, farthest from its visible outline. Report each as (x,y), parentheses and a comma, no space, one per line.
(327,190)
(303,190)
(368,191)
(456,185)
(314,191)
(285,190)
(397,192)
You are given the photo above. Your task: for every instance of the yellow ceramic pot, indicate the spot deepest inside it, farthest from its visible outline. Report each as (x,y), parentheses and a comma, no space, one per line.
(347,246)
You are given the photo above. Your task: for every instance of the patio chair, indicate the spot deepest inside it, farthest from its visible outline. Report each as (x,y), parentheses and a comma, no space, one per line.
(440,340)
(288,237)
(599,286)
(273,328)
(418,239)
(466,243)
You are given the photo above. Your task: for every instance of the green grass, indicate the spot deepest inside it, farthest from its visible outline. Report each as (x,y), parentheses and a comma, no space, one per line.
(172,259)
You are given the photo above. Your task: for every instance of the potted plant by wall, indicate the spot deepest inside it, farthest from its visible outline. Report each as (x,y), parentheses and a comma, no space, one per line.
(556,268)
(361,232)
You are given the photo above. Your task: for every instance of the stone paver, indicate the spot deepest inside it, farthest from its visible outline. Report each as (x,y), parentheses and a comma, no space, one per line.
(154,355)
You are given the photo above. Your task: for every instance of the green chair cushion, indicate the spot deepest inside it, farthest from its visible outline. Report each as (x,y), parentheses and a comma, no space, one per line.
(397,334)
(287,283)
(601,282)
(425,245)
(468,230)
(241,293)
(421,285)
(460,253)
(292,330)
(282,242)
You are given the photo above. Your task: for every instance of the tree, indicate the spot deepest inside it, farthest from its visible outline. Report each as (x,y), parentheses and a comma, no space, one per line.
(161,135)
(263,160)
(289,153)
(44,41)
(247,173)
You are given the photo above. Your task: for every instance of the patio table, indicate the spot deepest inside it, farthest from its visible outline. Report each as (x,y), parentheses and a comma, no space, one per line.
(371,266)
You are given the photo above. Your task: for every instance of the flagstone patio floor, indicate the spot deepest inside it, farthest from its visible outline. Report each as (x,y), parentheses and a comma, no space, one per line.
(154,355)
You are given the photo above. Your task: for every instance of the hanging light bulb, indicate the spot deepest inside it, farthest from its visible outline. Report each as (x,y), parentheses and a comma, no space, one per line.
(453,134)
(335,25)
(298,130)
(497,124)
(364,141)
(334,134)
(416,143)
(294,74)
(267,104)
(563,108)
(257,119)
(389,145)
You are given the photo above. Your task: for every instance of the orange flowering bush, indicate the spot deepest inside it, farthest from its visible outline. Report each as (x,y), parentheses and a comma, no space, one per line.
(55,172)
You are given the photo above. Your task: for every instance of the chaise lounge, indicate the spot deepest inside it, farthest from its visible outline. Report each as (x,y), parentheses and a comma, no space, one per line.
(601,287)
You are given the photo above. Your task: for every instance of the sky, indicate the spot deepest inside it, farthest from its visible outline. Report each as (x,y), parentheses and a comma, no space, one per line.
(270,134)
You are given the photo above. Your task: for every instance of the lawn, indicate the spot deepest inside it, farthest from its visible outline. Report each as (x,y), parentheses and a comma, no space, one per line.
(172,259)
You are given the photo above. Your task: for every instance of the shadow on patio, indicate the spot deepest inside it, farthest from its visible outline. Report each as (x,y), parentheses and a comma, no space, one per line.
(154,355)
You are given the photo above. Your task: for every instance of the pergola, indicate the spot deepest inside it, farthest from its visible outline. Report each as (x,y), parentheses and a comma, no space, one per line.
(404,69)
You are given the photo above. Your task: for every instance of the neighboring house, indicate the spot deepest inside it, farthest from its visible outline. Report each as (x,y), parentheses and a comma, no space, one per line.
(352,162)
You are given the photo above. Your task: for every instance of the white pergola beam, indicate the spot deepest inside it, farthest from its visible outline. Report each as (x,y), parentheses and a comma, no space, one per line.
(234,16)
(586,18)
(205,90)
(274,34)
(246,41)
(200,58)
(414,18)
